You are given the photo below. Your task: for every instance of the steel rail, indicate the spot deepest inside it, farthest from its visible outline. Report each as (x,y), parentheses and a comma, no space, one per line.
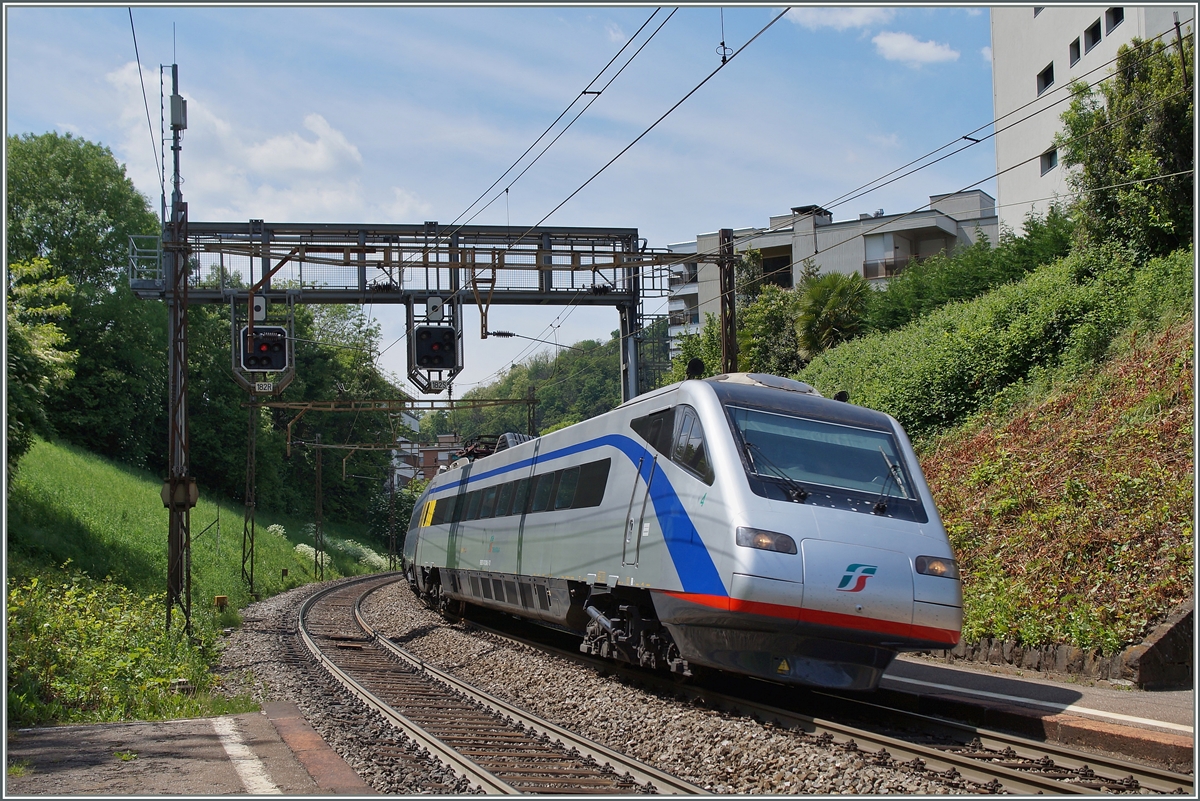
(478,777)
(974,770)
(1148,776)
(662,782)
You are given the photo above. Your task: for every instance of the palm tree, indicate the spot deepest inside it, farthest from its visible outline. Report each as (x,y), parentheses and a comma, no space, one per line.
(833,309)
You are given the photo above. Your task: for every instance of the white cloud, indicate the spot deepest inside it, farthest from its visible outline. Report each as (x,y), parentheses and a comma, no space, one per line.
(840,18)
(986,52)
(404,207)
(888,141)
(906,48)
(974,12)
(615,34)
(329,153)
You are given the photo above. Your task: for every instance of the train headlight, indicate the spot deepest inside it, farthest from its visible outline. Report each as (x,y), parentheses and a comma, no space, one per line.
(765,540)
(937,566)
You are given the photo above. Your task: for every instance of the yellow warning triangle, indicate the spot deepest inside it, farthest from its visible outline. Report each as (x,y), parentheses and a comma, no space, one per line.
(783,667)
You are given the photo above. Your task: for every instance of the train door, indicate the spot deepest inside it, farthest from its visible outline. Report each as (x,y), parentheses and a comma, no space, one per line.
(656,429)
(521,494)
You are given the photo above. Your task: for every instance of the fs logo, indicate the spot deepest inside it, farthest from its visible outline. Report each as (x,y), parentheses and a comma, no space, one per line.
(858,574)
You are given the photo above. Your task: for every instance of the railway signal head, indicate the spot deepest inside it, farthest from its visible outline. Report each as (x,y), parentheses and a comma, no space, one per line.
(435,347)
(265,350)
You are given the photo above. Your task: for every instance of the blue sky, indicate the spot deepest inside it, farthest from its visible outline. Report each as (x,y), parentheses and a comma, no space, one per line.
(406,114)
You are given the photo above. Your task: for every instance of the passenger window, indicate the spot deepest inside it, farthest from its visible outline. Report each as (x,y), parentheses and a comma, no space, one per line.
(521,497)
(489,502)
(444,511)
(504,502)
(543,492)
(593,477)
(690,451)
(473,501)
(566,488)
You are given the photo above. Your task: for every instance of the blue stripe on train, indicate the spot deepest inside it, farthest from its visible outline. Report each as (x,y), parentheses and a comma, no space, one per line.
(692,561)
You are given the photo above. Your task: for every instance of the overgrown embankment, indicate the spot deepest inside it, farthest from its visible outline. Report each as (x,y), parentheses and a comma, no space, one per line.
(1054,418)
(86,551)
(1073,515)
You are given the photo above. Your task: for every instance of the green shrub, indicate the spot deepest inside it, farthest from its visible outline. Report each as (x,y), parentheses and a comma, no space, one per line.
(971,271)
(81,650)
(936,371)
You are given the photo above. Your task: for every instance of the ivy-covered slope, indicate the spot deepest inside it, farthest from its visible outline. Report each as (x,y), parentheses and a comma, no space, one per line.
(1072,516)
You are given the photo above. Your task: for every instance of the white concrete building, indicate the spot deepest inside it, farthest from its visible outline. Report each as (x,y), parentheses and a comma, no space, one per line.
(1037,53)
(876,246)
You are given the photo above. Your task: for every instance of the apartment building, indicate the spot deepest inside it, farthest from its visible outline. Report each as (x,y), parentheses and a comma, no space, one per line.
(876,246)
(1037,53)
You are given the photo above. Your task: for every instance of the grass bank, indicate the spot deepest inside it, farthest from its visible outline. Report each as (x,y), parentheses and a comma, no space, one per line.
(86,550)
(1071,510)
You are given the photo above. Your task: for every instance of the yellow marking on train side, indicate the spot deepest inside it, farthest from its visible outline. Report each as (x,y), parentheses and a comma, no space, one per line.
(427,518)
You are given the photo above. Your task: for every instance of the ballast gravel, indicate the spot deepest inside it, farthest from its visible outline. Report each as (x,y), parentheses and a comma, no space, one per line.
(265,659)
(717,750)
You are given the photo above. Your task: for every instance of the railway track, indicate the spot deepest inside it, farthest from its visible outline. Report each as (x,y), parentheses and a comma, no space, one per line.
(495,746)
(992,760)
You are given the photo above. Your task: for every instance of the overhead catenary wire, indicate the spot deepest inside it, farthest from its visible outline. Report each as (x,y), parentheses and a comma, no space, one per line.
(652,126)
(584,92)
(146,103)
(594,98)
(875,184)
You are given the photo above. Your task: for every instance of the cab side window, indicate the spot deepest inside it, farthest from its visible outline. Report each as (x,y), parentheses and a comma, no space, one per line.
(690,451)
(656,429)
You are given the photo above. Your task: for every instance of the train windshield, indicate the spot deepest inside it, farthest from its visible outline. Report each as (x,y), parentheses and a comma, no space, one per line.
(822,457)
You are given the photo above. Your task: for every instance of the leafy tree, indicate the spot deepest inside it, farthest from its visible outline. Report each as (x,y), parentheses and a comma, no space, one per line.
(833,309)
(748,276)
(115,404)
(767,340)
(1130,140)
(36,359)
(379,516)
(705,346)
(572,385)
(970,271)
(70,201)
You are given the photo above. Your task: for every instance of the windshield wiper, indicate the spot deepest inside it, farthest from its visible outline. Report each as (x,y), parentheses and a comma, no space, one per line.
(893,474)
(795,492)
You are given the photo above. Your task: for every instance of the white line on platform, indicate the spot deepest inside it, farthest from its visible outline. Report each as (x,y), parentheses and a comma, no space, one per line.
(1049,705)
(249,767)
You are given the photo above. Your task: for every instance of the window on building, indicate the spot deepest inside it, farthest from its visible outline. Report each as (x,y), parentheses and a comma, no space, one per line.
(1049,160)
(1045,78)
(1074,52)
(1112,18)
(1091,37)
(1037,10)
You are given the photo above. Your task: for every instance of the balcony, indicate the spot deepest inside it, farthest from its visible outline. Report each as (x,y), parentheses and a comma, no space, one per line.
(886,268)
(688,276)
(688,317)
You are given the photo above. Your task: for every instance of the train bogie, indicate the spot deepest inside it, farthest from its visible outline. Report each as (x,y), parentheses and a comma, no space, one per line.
(741,522)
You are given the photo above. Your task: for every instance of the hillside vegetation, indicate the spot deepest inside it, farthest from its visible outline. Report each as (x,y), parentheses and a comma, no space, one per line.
(1071,514)
(936,371)
(86,549)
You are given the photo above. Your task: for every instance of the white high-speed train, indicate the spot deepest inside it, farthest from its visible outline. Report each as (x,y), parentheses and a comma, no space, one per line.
(741,522)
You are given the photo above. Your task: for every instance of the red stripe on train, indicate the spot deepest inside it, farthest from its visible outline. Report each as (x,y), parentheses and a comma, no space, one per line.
(725,603)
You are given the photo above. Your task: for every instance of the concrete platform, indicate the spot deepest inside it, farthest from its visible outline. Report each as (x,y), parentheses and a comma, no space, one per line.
(1147,726)
(271,752)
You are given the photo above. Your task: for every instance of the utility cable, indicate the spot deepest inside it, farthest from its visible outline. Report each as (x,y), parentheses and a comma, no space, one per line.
(873,184)
(146,103)
(595,97)
(550,127)
(652,126)
(968,136)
